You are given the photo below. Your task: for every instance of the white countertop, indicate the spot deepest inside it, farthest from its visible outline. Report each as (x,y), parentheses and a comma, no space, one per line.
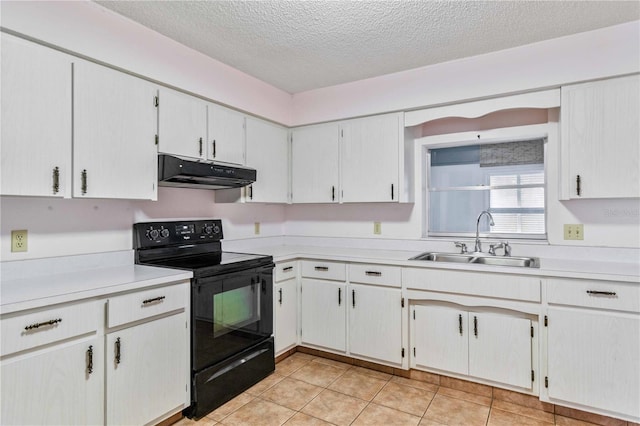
(43,282)
(549,267)
(36,290)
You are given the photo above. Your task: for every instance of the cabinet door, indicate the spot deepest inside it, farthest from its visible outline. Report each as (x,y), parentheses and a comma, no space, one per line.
(150,378)
(268,153)
(225,134)
(36,120)
(375,323)
(601,138)
(315,164)
(440,338)
(593,359)
(182,124)
(114,152)
(54,387)
(286,315)
(370,158)
(323,313)
(500,348)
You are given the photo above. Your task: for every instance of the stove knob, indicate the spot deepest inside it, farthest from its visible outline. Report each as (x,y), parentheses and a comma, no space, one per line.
(153,234)
(208,229)
(216,229)
(164,233)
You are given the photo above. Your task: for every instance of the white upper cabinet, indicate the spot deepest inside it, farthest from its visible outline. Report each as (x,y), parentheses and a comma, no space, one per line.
(600,155)
(370,158)
(315,164)
(115,121)
(268,153)
(182,124)
(36,120)
(225,140)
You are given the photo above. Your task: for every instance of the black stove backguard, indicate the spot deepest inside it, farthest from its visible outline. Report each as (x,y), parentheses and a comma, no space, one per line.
(231,307)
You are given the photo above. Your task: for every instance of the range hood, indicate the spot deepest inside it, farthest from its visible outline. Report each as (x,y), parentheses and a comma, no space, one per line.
(189,173)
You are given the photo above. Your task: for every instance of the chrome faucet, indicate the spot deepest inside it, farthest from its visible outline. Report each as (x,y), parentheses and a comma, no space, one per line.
(478,247)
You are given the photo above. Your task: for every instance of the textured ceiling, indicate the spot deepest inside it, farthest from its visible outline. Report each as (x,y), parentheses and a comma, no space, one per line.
(304,45)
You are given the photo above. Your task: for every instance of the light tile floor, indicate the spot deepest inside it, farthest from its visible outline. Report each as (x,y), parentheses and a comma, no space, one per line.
(309,390)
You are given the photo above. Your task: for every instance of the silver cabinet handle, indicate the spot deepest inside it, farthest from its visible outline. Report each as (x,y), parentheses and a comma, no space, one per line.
(287,269)
(321,268)
(460,323)
(373,273)
(339,296)
(42,324)
(475,326)
(200,147)
(214,149)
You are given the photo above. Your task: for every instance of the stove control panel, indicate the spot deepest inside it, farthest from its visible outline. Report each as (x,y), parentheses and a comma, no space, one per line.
(153,234)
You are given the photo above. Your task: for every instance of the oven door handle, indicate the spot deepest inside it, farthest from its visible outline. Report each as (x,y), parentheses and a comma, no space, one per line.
(236,364)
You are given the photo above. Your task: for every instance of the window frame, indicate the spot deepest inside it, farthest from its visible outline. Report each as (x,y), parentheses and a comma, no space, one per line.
(530,132)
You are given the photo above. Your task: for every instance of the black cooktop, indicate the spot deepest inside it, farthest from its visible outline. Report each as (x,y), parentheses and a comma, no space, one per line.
(191,245)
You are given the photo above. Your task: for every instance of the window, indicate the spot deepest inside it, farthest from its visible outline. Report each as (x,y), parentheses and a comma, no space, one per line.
(507,179)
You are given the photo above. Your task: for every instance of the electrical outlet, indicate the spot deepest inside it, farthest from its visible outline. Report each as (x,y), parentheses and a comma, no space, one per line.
(19,240)
(574,232)
(377,228)
(256,228)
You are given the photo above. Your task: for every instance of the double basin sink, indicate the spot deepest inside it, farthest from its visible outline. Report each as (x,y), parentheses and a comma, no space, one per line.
(479,259)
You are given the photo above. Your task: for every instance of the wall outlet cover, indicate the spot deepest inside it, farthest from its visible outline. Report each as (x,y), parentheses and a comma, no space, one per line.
(19,240)
(256,228)
(377,228)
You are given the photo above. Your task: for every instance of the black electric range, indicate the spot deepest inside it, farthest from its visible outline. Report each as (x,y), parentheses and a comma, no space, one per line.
(231,307)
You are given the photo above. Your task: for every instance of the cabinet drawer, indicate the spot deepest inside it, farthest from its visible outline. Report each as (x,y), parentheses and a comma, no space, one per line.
(390,276)
(324,270)
(285,270)
(594,294)
(35,328)
(147,303)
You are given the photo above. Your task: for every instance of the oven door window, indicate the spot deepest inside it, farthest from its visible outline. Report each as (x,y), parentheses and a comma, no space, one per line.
(235,308)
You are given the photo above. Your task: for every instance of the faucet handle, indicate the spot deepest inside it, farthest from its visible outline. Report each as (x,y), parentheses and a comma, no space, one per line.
(462,246)
(494,247)
(507,249)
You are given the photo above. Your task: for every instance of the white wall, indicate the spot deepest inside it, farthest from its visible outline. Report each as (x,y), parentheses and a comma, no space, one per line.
(60,227)
(590,55)
(86,28)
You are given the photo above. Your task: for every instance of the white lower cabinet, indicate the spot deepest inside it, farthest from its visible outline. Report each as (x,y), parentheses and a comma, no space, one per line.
(125,356)
(146,375)
(483,345)
(324,314)
(593,346)
(375,323)
(58,386)
(285,307)
(440,339)
(52,368)
(375,313)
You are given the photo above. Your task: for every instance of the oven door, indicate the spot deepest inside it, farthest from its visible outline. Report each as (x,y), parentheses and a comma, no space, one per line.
(230,313)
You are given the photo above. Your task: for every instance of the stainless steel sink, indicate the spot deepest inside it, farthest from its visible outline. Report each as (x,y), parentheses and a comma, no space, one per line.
(480,259)
(443,257)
